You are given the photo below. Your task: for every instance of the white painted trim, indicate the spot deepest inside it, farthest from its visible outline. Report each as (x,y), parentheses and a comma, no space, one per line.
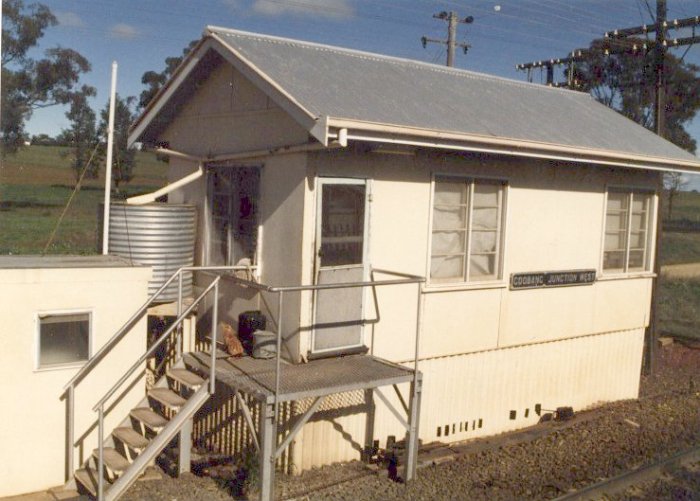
(650,231)
(164,95)
(499,281)
(319,183)
(274,90)
(37,338)
(358,131)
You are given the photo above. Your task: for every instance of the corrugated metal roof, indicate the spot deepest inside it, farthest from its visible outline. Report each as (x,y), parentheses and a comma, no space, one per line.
(342,83)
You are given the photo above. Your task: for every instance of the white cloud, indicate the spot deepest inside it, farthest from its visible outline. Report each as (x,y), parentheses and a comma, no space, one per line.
(70,19)
(327,8)
(124,31)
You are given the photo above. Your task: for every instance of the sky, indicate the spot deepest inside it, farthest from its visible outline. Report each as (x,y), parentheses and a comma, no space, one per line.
(140,34)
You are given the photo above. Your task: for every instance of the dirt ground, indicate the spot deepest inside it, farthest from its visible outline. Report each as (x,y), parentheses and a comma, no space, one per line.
(689,270)
(596,444)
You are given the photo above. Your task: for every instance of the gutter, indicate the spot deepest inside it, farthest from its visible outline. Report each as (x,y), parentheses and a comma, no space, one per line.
(362,131)
(341,142)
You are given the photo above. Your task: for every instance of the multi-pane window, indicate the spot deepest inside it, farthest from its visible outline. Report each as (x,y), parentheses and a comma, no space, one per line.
(234,202)
(63,339)
(467,230)
(628,220)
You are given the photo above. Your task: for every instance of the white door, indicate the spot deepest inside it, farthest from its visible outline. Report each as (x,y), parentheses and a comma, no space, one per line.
(341,250)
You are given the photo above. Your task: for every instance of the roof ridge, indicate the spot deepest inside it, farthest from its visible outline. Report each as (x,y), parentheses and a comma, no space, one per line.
(394,59)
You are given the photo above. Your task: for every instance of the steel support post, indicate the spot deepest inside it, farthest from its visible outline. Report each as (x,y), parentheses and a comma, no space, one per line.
(267,451)
(369,423)
(184,454)
(412,433)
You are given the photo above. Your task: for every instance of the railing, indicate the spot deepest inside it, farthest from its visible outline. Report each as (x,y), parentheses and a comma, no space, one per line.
(404,279)
(217,271)
(69,388)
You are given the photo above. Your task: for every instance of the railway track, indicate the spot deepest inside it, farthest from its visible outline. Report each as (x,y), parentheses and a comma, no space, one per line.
(642,475)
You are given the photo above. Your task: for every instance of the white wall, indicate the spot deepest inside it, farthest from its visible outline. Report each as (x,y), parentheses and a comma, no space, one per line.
(554,222)
(487,350)
(33,431)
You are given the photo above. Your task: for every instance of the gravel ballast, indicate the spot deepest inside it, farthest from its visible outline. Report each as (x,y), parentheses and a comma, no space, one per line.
(562,457)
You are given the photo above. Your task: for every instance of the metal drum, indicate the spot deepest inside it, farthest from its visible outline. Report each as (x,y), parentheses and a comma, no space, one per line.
(159,235)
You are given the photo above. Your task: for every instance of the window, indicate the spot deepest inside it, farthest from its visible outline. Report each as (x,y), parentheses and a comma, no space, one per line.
(467,231)
(233,200)
(628,220)
(64,338)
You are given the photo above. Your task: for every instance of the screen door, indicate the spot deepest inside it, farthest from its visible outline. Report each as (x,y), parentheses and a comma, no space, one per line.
(341,244)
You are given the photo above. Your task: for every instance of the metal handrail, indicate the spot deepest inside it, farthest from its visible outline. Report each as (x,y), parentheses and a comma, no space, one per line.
(94,360)
(154,346)
(100,406)
(69,388)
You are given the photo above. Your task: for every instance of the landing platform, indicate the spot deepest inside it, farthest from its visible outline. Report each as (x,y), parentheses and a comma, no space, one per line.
(316,378)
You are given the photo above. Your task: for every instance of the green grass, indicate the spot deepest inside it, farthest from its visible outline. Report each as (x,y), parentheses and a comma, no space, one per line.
(679,307)
(35,186)
(686,205)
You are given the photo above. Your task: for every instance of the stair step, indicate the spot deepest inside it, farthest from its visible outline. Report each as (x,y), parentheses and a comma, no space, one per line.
(113,460)
(186,378)
(131,437)
(167,397)
(88,479)
(154,421)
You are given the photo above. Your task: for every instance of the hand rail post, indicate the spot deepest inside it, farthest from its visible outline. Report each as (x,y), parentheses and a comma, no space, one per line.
(280,306)
(215,322)
(100,453)
(70,432)
(178,332)
(419,319)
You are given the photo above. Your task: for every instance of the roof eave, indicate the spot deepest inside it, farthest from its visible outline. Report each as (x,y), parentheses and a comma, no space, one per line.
(306,119)
(439,139)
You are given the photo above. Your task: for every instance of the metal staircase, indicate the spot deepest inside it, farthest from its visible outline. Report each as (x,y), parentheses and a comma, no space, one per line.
(165,411)
(142,436)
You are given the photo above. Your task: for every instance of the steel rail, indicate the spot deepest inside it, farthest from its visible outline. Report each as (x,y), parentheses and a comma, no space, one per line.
(629,478)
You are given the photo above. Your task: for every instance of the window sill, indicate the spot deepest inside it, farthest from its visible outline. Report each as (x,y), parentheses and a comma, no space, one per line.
(60,367)
(626,276)
(464,286)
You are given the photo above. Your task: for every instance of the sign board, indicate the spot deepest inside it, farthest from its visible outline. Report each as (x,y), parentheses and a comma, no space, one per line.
(543,279)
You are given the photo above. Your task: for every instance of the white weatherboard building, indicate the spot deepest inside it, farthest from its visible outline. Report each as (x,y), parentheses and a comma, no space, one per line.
(489,188)
(502,232)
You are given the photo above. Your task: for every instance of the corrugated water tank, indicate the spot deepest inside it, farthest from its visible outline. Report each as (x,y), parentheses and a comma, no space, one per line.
(157,234)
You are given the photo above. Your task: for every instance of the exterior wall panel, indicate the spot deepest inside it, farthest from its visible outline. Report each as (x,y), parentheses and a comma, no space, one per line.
(33,434)
(472,395)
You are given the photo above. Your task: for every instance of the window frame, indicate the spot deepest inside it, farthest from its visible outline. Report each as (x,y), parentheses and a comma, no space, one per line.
(650,238)
(229,260)
(37,339)
(465,283)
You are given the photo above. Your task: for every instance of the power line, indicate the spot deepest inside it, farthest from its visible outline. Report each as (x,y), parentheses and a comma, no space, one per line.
(452,20)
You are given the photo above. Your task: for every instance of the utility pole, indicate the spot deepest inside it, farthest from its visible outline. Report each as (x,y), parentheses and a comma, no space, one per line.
(660,55)
(452,20)
(617,42)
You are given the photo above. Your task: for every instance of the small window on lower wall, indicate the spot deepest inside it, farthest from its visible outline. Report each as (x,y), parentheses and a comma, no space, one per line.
(628,231)
(467,230)
(64,339)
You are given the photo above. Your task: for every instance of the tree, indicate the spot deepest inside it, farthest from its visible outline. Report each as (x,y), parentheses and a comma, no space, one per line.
(674,182)
(83,136)
(123,157)
(155,81)
(626,82)
(28,83)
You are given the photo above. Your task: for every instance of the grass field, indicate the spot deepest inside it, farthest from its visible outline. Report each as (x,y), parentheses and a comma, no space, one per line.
(35,186)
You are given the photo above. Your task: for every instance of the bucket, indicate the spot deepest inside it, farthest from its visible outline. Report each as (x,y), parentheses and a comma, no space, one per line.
(264,344)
